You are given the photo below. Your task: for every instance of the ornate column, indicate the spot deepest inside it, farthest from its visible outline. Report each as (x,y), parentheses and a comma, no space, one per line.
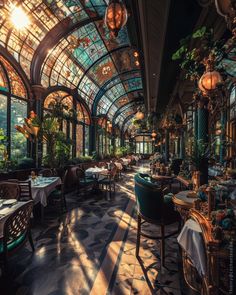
(182,145)
(38,92)
(167,141)
(195,123)
(203,115)
(223,136)
(93,133)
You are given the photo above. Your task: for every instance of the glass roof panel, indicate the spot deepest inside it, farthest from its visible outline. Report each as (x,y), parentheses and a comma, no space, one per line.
(87,59)
(88,90)
(43,15)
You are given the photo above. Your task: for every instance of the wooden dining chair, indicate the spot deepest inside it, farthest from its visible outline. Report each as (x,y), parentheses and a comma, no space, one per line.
(109,180)
(25,189)
(46,172)
(9,190)
(16,232)
(84,183)
(59,194)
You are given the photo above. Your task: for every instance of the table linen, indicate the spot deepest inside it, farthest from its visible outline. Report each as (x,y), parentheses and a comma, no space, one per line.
(43,189)
(191,241)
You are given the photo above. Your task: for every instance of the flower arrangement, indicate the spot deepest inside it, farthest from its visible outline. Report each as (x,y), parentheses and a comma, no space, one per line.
(224,218)
(31,127)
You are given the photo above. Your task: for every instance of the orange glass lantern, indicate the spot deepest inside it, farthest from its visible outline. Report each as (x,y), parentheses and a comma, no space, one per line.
(153,134)
(116,16)
(209,81)
(139,115)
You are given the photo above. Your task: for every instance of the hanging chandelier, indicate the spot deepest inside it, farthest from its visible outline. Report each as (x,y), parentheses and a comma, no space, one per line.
(116,16)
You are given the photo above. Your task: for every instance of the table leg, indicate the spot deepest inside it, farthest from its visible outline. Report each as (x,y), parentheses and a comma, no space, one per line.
(42,213)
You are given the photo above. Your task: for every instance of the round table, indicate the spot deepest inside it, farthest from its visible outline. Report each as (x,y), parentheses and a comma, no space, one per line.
(183,203)
(164,179)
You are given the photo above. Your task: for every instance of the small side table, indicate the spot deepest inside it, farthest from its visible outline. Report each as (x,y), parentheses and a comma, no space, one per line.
(183,203)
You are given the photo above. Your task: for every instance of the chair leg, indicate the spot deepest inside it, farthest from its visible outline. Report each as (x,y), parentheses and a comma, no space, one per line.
(31,240)
(64,202)
(110,190)
(162,245)
(138,236)
(5,265)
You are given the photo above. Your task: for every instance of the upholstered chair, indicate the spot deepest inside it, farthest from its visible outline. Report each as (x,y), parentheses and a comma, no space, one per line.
(155,208)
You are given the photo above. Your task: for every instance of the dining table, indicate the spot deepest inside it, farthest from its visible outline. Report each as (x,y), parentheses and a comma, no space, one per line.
(184,201)
(6,211)
(96,172)
(125,161)
(41,188)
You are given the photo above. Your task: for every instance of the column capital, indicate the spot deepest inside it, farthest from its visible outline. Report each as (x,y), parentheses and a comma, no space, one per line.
(38,90)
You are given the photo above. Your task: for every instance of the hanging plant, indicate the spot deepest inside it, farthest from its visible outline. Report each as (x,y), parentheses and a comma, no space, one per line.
(192,59)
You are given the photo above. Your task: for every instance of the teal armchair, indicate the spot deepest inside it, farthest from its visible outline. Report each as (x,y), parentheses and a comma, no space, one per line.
(153,207)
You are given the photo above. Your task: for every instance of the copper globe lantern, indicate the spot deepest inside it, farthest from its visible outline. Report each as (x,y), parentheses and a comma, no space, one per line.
(116,16)
(209,81)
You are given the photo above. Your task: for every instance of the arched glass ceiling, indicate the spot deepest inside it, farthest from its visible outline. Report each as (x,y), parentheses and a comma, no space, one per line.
(44,15)
(125,111)
(85,57)
(109,98)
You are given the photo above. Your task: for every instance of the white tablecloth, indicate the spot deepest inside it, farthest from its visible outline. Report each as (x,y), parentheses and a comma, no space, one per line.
(96,172)
(191,240)
(41,191)
(183,196)
(119,165)
(5,212)
(126,161)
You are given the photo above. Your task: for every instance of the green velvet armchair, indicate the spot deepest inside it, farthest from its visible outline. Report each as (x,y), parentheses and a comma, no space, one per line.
(153,207)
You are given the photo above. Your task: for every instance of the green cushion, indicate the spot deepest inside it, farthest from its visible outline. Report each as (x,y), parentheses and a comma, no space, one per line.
(86,182)
(13,244)
(168,198)
(56,193)
(150,202)
(105,181)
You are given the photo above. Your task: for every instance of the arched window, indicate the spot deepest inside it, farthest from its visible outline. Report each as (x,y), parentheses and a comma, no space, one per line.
(77,127)
(82,130)
(143,145)
(61,105)
(13,109)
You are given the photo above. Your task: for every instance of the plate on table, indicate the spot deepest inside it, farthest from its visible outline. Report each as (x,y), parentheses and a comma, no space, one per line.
(10,202)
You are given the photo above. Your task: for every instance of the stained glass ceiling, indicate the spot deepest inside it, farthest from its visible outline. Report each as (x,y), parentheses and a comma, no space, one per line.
(104,70)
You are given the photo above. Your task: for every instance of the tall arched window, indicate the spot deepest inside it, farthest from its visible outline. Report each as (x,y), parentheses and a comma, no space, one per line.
(82,130)
(61,104)
(77,128)
(13,109)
